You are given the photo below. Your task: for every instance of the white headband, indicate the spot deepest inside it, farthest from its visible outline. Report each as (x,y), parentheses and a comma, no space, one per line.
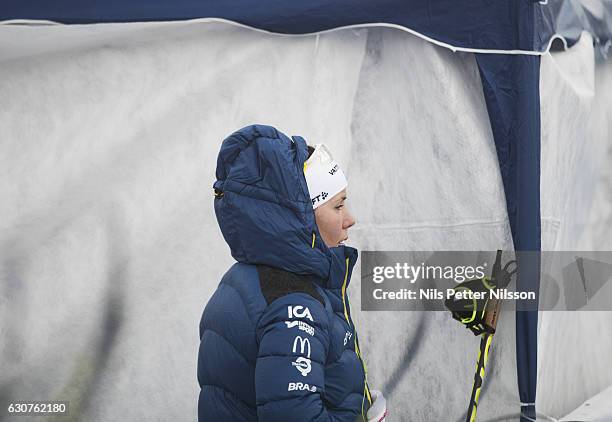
(323,176)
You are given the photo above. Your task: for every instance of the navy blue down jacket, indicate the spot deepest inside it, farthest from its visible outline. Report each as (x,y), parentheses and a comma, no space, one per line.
(277,342)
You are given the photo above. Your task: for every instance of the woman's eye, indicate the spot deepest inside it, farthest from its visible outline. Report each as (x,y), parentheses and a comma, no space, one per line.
(339,206)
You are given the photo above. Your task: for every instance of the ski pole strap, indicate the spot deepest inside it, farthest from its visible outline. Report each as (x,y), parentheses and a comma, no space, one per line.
(483,357)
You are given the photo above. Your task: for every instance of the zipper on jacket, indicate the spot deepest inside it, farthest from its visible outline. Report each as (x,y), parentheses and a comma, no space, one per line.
(366,390)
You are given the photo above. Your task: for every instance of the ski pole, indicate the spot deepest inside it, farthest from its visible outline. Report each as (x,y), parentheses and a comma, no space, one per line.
(483,357)
(481,316)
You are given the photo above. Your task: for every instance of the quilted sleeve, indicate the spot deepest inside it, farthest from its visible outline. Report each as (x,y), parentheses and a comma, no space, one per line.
(293,338)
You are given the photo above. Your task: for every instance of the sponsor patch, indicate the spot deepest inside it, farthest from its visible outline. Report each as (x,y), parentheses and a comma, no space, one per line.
(299,311)
(319,197)
(302,364)
(309,329)
(301,386)
(304,344)
(347,337)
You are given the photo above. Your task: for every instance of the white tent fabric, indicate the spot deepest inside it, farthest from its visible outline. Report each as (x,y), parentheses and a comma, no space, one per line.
(575,347)
(109,247)
(597,409)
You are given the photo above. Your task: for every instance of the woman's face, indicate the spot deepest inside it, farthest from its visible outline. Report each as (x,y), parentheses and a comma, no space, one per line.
(334,220)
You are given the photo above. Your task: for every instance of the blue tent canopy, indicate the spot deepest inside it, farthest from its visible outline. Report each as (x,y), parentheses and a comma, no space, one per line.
(507,37)
(523,25)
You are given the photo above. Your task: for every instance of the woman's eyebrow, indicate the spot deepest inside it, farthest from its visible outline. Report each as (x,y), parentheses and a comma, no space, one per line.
(343,198)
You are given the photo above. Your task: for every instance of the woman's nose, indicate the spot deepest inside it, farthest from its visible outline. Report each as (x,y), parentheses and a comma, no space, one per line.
(349,220)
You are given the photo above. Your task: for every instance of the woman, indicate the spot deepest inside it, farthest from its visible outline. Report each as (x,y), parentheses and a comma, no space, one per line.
(277,339)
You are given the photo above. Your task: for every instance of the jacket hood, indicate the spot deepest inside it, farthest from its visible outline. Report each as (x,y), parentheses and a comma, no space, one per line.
(263,206)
